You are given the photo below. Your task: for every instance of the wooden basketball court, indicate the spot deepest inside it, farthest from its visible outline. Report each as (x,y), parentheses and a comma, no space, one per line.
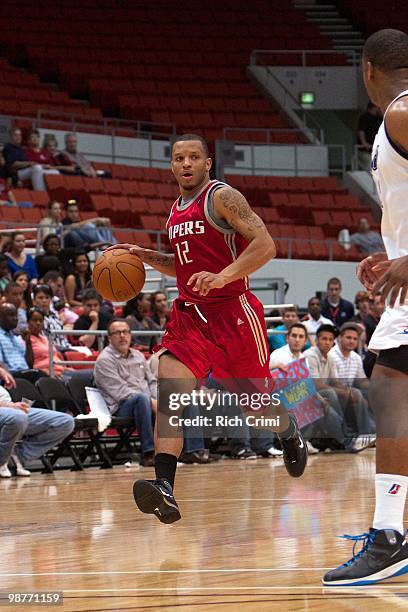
(251,538)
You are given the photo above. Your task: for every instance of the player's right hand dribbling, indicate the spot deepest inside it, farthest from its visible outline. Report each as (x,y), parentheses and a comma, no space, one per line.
(365,273)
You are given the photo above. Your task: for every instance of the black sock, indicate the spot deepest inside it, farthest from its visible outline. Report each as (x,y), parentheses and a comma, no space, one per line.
(165,467)
(290,431)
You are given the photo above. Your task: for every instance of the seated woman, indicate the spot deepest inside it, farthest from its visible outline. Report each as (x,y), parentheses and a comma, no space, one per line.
(18,260)
(22,279)
(49,259)
(5,277)
(37,347)
(55,158)
(42,299)
(76,283)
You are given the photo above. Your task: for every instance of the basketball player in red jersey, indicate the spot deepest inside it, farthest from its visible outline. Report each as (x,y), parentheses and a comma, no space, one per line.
(216,326)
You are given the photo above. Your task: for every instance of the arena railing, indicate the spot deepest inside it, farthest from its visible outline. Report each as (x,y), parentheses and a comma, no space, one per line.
(352,55)
(336,159)
(159,236)
(101,335)
(72,122)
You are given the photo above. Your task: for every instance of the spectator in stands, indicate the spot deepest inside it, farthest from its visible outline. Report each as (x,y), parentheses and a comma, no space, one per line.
(18,260)
(22,279)
(5,276)
(372,318)
(35,154)
(59,305)
(13,294)
(314,319)
(289,316)
(334,307)
(351,373)
(127,385)
(42,299)
(89,234)
(349,363)
(18,165)
(135,313)
(37,347)
(295,343)
(93,318)
(6,195)
(79,161)
(49,259)
(346,402)
(28,433)
(79,280)
(366,240)
(368,124)
(160,309)
(51,224)
(331,424)
(55,158)
(12,350)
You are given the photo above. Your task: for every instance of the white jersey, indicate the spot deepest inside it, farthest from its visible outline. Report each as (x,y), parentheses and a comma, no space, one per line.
(389,168)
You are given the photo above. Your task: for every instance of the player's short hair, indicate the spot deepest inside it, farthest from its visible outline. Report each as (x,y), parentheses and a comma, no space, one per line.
(299,325)
(326,327)
(387,49)
(314,297)
(333,281)
(187,138)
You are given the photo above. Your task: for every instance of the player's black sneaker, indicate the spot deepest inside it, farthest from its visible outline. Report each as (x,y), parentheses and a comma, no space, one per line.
(156,497)
(294,451)
(384,554)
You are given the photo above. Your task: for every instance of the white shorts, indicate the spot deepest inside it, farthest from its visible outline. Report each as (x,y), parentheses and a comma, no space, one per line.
(392,330)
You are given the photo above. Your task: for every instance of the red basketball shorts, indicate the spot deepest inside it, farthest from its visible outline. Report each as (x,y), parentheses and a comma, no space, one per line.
(225,338)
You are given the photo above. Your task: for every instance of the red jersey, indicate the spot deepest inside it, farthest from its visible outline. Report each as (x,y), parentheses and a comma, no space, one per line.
(200,243)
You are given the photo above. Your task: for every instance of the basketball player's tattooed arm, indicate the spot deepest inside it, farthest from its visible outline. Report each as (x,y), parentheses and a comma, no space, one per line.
(231,206)
(162,262)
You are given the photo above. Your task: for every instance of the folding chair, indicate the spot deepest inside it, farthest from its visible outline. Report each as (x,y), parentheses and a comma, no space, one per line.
(124,426)
(26,389)
(54,393)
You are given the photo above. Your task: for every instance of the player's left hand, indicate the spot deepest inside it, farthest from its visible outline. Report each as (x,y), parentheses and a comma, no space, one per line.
(205,281)
(393,280)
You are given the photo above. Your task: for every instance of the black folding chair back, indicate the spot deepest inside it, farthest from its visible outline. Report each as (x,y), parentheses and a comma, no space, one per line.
(56,395)
(54,391)
(24,388)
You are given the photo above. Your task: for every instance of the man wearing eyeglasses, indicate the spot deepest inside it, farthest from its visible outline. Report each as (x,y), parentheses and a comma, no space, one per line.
(128,386)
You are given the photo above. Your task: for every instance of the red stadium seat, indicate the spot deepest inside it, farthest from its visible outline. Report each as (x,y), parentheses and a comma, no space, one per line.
(32,215)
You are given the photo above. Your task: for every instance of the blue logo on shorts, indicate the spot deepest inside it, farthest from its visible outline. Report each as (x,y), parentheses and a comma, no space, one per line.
(404,331)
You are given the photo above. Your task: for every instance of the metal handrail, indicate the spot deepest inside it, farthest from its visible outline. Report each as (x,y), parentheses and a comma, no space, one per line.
(306,116)
(330,243)
(269,131)
(267,169)
(76,121)
(350,53)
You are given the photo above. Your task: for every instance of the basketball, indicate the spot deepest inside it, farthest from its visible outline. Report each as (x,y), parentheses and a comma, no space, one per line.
(118,276)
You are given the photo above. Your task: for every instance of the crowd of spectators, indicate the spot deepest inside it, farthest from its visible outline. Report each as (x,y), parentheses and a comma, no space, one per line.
(30,161)
(331,338)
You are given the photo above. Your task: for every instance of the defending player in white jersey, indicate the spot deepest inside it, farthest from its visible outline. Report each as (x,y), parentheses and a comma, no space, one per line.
(384,550)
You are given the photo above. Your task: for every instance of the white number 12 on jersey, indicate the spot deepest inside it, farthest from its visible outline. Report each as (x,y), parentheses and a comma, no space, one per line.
(183,252)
